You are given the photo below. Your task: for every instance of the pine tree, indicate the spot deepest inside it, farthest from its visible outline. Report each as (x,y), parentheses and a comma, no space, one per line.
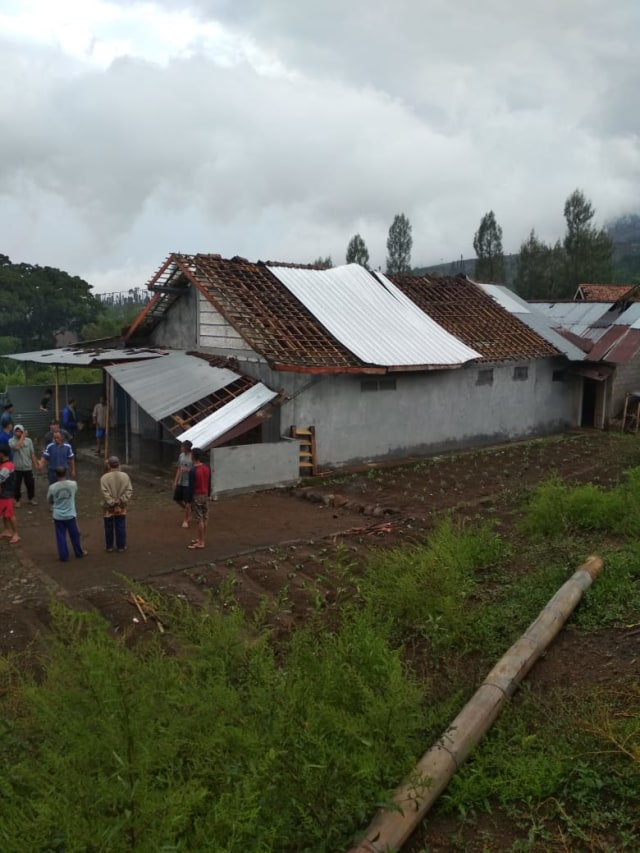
(357,252)
(399,244)
(541,269)
(487,243)
(588,249)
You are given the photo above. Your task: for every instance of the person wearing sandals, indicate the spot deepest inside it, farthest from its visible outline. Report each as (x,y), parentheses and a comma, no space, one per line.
(181,482)
(62,496)
(116,490)
(24,461)
(7,487)
(200,490)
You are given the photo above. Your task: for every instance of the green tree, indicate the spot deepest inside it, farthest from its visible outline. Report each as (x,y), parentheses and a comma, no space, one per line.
(399,244)
(588,250)
(38,302)
(541,269)
(357,252)
(323,263)
(487,243)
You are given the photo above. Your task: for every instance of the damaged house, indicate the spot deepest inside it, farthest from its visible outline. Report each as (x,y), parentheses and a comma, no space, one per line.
(308,369)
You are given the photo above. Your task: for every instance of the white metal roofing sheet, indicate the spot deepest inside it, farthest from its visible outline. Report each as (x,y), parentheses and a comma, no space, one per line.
(372,317)
(165,385)
(76,357)
(504,297)
(575,316)
(630,317)
(204,433)
(536,320)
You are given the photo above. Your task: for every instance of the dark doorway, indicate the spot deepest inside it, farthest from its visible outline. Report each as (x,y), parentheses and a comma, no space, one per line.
(589,392)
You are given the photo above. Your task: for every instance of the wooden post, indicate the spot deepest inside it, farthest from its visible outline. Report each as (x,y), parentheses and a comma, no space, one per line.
(57,388)
(412,800)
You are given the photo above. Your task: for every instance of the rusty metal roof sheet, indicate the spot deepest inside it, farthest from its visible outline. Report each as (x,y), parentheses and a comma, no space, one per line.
(208,430)
(373,318)
(463,308)
(618,346)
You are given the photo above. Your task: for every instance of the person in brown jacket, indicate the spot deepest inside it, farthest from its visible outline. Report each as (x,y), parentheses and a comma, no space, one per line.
(116,490)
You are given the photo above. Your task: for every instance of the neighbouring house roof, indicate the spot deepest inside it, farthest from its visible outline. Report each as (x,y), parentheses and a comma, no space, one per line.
(185,390)
(603,292)
(346,319)
(535,321)
(610,330)
(85,356)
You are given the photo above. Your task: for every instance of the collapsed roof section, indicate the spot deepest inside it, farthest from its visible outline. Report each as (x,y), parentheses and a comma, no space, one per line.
(184,391)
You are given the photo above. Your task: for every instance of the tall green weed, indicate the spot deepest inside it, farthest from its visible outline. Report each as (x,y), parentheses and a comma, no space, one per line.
(220,748)
(423,589)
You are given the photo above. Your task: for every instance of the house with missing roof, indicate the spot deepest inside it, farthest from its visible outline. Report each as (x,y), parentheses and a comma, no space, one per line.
(374,366)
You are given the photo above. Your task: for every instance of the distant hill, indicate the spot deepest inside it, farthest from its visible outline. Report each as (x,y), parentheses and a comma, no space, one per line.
(625,235)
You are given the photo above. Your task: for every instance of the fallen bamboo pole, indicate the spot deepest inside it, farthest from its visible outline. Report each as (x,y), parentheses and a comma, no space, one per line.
(391,827)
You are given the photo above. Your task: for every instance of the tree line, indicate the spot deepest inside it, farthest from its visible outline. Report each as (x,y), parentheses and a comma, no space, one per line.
(543,271)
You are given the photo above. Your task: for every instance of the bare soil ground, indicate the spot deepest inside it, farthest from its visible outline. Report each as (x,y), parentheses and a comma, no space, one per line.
(282,543)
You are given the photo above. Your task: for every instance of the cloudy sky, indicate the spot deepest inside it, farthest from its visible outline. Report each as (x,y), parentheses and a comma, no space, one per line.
(277,129)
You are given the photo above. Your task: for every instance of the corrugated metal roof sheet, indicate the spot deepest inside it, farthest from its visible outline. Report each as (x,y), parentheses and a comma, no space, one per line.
(165,385)
(534,319)
(503,296)
(79,357)
(630,317)
(372,317)
(203,434)
(578,317)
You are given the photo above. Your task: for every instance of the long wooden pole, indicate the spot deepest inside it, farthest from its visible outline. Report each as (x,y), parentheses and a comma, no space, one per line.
(390,828)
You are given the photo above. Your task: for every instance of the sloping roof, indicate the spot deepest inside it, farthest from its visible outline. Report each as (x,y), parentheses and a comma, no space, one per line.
(285,330)
(603,292)
(472,315)
(164,386)
(373,318)
(211,428)
(85,356)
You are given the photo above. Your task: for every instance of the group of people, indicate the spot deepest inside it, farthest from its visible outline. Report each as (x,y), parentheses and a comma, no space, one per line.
(192,490)
(18,463)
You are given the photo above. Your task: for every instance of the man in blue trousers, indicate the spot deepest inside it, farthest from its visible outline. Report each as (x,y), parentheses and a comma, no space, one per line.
(62,494)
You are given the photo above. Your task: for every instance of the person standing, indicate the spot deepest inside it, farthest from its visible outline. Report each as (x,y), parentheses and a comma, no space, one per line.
(24,460)
(6,433)
(70,418)
(58,453)
(200,489)
(181,482)
(7,485)
(99,417)
(46,400)
(54,426)
(116,490)
(6,419)
(62,496)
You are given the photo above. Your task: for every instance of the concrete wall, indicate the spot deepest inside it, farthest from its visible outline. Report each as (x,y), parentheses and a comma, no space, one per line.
(625,379)
(178,328)
(249,467)
(429,412)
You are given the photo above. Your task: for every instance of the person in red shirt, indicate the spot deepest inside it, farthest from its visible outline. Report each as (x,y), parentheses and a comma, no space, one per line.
(199,492)
(7,487)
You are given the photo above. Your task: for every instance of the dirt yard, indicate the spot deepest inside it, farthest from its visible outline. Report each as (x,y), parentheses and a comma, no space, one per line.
(279,543)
